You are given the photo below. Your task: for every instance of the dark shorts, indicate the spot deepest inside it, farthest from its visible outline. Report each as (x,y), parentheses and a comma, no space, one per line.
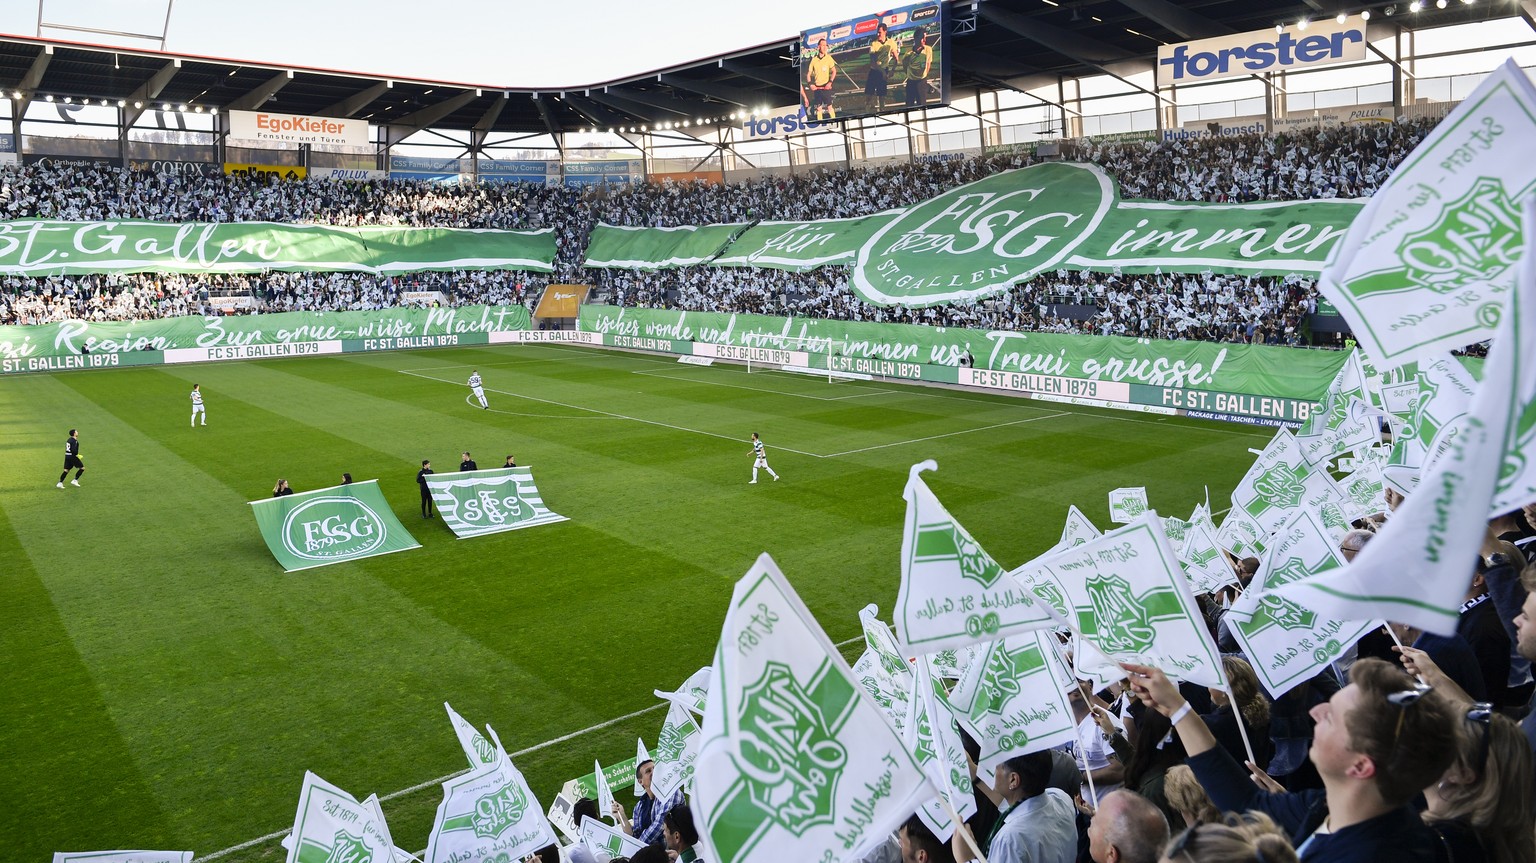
(821,98)
(876,84)
(73,461)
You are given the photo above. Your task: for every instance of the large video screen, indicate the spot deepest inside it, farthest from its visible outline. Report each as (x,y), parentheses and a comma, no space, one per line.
(897,60)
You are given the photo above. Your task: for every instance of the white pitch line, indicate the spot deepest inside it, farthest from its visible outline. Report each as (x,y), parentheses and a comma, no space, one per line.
(700,380)
(951,434)
(441,779)
(615,415)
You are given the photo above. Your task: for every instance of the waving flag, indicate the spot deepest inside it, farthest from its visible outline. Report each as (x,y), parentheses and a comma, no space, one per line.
(952,592)
(1417,569)
(1126,594)
(1012,700)
(797,762)
(1286,643)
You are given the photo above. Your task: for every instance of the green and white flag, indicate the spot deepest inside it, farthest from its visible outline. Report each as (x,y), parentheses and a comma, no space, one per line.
(605,799)
(1287,643)
(642,756)
(934,738)
(1129,598)
(488,815)
(1426,266)
(1339,426)
(952,592)
(122,857)
(49,247)
(881,670)
(1443,397)
(1364,489)
(1517,478)
(797,763)
(677,747)
(1241,534)
(1203,562)
(331,826)
(477,748)
(330,525)
(617,773)
(1417,569)
(1012,701)
(694,691)
(1078,529)
(1280,483)
(1127,504)
(888,693)
(477,502)
(606,843)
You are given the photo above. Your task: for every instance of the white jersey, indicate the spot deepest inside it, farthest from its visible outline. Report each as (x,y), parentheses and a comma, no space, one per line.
(474,381)
(197,398)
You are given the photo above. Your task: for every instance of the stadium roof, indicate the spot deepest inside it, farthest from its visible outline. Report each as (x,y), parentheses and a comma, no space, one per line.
(1016,44)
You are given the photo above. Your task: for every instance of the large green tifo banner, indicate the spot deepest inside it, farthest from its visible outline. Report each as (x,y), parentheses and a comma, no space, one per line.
(47,247)
(1203,379)
(477,502)
(331,525)
(981,238)
(83,344)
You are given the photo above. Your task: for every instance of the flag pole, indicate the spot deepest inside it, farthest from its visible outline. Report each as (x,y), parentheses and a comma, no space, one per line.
(1093,792)
(1399,642)
(970,839)
(1242,727)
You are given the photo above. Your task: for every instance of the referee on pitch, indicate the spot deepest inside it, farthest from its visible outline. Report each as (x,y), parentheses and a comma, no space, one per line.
(72,459)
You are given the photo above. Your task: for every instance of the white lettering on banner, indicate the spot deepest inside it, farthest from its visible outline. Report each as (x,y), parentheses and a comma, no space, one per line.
(1326,42)
(781,123)
(532,336)
(771,356)
(1047,384)
(404,342)
(251,352)
(295,129)
(59,364)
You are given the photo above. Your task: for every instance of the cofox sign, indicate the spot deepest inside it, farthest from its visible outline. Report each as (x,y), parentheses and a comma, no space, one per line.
(1323,43)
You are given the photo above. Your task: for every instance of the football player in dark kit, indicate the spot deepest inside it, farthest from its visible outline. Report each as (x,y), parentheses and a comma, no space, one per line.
(72,459)
(468,463)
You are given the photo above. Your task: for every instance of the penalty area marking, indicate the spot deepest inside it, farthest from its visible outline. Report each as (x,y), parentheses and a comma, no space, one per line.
(393,795)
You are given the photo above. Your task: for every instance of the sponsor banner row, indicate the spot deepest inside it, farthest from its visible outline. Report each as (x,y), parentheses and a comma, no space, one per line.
(1256,383)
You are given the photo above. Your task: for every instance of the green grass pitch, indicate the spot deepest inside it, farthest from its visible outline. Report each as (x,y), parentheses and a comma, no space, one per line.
(169,685)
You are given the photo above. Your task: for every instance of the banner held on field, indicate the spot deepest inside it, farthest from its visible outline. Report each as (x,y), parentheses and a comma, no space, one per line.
(478,502)
(330,525)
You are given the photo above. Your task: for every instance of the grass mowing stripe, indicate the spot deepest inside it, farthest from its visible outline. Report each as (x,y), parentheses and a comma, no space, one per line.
(57,715)
(227,679)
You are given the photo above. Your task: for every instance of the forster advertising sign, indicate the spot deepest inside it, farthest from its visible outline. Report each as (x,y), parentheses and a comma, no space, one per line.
(294,129)
(1322,43)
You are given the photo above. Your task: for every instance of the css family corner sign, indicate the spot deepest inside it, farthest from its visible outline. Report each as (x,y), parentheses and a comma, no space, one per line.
(296,129)
(1322,43)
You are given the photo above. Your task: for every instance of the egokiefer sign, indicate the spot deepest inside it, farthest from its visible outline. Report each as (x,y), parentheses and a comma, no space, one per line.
(295,129)
(1322,43)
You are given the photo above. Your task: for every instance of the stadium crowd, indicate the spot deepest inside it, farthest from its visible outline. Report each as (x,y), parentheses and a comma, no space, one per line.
(1345,161)
(1410,747)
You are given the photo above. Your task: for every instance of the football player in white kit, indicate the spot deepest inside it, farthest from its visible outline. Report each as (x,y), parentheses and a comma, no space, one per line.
(474,385)
(197,405)
(760,459)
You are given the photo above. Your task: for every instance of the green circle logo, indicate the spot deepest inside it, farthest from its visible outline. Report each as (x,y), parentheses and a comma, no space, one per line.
(985,236)
(333,527)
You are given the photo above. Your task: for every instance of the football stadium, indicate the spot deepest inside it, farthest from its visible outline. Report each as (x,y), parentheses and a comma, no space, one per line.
(997,430)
